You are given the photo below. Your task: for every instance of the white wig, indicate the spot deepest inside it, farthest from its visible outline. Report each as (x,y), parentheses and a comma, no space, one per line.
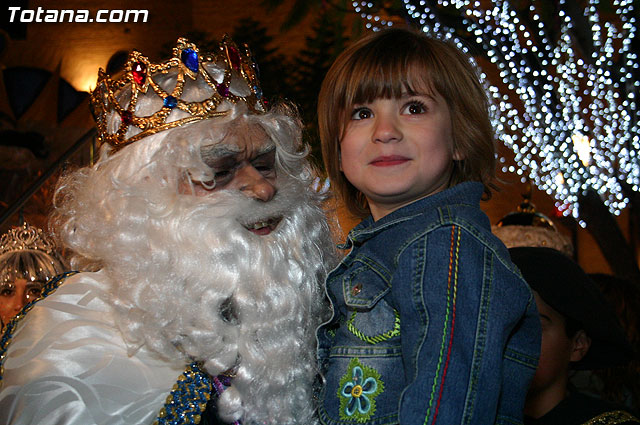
(189,281)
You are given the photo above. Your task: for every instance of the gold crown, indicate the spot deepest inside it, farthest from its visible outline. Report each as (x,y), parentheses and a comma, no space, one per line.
(26,238)
(189,63)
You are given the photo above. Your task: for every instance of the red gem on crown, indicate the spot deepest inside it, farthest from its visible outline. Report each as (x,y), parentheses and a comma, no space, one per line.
(139,72)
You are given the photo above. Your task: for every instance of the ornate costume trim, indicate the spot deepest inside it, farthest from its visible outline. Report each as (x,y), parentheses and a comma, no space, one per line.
(357,392)
(9,329)
(612,418)
(449,324)
(188,399)
(376,338)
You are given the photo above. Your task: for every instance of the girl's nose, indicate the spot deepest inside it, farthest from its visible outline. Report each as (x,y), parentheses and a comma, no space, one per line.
(386,130)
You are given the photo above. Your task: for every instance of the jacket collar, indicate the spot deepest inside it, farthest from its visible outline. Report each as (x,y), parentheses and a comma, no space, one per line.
(464,193)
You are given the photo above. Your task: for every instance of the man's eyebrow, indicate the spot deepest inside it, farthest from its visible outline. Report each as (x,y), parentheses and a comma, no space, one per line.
(267,148)
(213,152)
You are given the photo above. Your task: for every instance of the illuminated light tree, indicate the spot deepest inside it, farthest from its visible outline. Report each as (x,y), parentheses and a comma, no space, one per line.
(565,94)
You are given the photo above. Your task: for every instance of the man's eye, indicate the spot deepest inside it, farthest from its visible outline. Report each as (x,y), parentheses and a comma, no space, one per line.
(222,175)
(264,169)
(361,114)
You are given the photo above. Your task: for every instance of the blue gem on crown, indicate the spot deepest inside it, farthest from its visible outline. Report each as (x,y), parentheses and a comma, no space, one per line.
(190,58)
(170,102)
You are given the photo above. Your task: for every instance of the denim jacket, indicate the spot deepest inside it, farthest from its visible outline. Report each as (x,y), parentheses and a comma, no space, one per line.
(432,322)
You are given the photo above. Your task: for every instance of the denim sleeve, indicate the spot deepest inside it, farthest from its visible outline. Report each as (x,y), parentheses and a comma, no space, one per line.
(464,305)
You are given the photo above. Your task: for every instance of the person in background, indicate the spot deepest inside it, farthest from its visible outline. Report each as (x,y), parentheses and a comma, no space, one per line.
(579,331)
(432,322)
(28,259)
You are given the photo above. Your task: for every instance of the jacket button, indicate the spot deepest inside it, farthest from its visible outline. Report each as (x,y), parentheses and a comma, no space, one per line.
(357,288)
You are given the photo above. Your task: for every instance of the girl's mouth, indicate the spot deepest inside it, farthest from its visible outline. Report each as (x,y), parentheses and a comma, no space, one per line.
(388,160)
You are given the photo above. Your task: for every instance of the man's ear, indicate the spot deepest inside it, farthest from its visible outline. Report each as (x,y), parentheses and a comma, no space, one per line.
(581,343)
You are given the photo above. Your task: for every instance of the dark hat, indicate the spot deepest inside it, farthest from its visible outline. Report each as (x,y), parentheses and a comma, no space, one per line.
(563,285)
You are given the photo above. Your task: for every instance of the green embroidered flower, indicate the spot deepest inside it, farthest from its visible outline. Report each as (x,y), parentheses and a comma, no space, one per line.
(358,389)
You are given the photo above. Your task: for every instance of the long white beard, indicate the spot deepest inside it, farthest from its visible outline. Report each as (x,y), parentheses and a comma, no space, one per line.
(192,259)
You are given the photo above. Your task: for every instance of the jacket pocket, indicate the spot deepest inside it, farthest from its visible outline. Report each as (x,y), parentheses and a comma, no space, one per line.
(364,284)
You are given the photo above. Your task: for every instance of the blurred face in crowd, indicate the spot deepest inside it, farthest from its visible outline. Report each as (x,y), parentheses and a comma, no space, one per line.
(15,295)
(557,352)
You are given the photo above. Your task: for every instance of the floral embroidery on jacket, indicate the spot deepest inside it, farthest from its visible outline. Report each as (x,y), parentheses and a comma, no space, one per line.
(358,390)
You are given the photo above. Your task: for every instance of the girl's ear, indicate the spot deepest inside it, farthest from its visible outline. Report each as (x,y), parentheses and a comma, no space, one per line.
(458,154)
(581,343)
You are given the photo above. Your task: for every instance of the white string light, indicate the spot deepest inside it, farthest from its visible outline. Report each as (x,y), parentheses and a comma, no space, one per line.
(572,123)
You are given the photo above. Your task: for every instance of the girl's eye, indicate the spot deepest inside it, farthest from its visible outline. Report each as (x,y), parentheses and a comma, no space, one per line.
(361,114)
(6,292)
(415,107)
(33,293)
(222,175)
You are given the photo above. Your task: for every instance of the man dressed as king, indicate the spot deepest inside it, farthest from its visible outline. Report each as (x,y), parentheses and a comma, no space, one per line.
(202,249)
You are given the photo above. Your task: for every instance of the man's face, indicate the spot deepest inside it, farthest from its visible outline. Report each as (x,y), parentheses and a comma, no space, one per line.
(244,161)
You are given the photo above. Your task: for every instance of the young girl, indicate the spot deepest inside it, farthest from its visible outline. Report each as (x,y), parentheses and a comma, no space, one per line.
(432,322)
(28,259)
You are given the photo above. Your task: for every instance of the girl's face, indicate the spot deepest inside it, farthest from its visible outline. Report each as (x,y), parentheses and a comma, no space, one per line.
(15,295)
(396,151)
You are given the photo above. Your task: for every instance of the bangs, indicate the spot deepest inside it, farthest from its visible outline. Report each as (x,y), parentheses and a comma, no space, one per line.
(381,73)
(29,265)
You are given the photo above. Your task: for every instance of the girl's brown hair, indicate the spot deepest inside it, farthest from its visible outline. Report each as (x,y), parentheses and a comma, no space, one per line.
(382,65)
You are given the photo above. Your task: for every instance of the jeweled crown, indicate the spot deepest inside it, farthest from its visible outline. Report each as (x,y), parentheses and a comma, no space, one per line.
(230,63)
(26,238)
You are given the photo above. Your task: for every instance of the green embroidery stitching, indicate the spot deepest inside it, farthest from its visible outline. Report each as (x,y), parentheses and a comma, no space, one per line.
(450,302)
(377,338)
(357,392)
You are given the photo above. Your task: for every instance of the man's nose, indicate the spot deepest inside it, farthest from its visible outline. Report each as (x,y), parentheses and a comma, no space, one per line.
(253,184)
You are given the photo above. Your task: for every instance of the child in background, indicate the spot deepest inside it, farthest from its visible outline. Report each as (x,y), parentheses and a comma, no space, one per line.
(432,322)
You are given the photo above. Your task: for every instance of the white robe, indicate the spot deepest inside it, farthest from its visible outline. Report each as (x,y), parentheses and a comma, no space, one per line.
(68,364)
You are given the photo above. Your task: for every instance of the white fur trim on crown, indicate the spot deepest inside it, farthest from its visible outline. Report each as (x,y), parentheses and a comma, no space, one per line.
(514,236)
